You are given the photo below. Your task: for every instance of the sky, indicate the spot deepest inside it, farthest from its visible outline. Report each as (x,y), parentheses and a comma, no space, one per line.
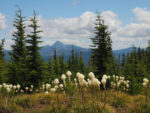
(72,21)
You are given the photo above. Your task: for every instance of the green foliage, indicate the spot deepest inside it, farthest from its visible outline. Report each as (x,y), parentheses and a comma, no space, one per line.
(35,61)
(18,66)
(102,56)
(3,69)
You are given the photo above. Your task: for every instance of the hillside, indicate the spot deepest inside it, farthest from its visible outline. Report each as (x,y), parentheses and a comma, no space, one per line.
(48,51)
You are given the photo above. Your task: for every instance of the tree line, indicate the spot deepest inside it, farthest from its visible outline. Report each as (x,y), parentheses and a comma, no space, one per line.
(26,66)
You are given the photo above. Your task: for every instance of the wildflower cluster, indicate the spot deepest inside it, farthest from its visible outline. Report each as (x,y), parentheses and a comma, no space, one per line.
(9,87)
(119,82)
(67,80)
(145,82)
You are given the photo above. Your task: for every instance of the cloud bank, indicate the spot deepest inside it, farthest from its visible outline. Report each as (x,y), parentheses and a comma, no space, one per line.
(2,22)
(79,30)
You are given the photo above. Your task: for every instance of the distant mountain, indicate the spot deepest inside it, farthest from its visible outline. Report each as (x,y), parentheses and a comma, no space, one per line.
(48,51)
(126,50)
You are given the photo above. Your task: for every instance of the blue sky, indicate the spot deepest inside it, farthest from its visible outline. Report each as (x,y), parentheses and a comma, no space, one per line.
(72,21)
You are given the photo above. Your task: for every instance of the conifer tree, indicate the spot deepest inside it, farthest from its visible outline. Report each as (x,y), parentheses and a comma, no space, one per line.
(35,62)
(72,59)
(62,64)
(148,57)
(18,66)
(56,63)
(76,63)
(50,70)
(101,48)
(81,64)
(2,63)
(69,63)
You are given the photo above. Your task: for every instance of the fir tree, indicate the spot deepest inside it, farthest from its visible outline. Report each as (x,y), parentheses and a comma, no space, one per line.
(56,63)
(2,63)
(81,64)
(18,66)
(76,63)
(62,64)
(101,48)
(72,60)
(50,69)
(35,62)
(69,63)
(148,57)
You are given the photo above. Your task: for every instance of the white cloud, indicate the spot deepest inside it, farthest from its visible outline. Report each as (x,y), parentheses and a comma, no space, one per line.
(78,27)
(111,20)
(8,43)
(2,22)
(142,15)
(78,30)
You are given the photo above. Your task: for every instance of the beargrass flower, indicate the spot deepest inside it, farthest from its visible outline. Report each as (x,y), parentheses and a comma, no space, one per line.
(26,88)
(95,82)
(146,80)
(56,87)
(14,87)
(103,82)
(52,90)
(63,77)
(56,81)
(32,86)
(47,86)
(18,86)
(104,77)
(68,73)
(61,85)
(91,75)
(8,89)
(144,84)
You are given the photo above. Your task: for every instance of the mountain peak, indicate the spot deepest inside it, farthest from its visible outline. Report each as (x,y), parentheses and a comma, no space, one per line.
(57,44)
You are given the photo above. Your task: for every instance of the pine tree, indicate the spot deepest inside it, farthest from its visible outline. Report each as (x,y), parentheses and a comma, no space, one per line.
(76,63)
(2,63)
(101,48)
(148,57)
(18,66)
(35,62)
(56,63)
(50,70)
(119,64)
(123,59)
(69,63)
(62,64)
(81,64)
(72,60)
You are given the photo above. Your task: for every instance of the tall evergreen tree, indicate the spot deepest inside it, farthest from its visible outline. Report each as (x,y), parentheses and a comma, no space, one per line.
(2,63)
(62,64)
(76,63)
(56,63)
(69,63)
(17,68)
(101,48)
(148,57)
(35,62)
(81,64)
(72,59)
